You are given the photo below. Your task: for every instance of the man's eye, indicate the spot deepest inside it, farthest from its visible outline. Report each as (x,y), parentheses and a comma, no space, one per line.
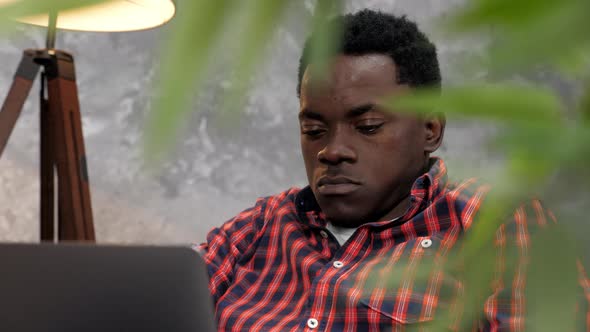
(369,129)
(313,133)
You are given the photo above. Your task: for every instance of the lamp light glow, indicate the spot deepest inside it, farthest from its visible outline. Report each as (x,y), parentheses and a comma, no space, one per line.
(110,16)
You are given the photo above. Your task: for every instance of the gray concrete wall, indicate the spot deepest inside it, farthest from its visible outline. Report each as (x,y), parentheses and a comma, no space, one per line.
(213,174)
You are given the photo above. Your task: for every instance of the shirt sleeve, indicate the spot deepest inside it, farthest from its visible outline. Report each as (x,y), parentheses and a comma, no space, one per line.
(505,308)
(225,246)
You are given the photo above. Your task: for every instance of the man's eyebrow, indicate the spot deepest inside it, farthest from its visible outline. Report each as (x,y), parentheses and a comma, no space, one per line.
(360,110)
(309,114)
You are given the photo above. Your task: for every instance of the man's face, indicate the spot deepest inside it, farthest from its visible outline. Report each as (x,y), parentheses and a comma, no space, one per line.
(361,159)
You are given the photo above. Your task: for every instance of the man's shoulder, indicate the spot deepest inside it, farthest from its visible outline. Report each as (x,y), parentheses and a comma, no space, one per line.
(471,195)
(466,189)
(286,196)
(268,205)
(264,209)
(467,197)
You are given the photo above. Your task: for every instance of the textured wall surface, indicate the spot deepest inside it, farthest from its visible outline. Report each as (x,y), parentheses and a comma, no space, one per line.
(214,174)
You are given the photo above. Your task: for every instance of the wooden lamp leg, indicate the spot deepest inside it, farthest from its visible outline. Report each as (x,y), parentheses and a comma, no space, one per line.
(17,95)
(47,168)
(75,210)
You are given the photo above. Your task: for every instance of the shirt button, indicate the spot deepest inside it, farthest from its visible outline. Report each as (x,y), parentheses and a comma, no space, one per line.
(312,323)
(426,243)
(324,234)
(338,264)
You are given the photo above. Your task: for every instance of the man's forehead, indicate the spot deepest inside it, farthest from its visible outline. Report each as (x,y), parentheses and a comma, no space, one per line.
(350,72)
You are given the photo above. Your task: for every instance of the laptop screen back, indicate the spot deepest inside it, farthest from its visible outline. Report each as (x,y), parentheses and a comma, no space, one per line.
(71,288)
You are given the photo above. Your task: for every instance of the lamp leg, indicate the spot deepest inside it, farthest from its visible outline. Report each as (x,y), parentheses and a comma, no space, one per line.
(75,211)
(47,168)
(13,104)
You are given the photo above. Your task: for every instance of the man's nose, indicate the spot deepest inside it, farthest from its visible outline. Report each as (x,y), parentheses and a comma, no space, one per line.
(338,149)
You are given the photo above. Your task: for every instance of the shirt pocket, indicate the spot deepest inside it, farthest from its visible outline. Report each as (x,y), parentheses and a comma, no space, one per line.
(415,287)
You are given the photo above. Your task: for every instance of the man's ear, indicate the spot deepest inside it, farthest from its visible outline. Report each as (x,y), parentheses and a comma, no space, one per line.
(434,125)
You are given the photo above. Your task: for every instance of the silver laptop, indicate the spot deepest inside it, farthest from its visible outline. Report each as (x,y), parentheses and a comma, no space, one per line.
(87,288)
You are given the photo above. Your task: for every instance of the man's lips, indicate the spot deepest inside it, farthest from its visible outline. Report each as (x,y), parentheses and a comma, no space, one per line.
(338,185)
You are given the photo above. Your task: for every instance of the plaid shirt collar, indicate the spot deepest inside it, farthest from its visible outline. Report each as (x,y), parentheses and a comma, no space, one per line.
(424,191)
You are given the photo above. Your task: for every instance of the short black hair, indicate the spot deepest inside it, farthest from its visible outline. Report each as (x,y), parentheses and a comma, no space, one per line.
(369,31)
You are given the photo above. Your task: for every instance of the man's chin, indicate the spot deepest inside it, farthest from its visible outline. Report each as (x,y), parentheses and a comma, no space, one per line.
(346,223)
(342,210)
(347,217)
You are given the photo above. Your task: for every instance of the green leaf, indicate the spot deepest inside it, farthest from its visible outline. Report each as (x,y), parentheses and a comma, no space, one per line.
(535,153)
(187,52)
(528,33)
(477,279)
(496,209)
(326,36)
(507,102)
(552,291)
(480,13)
(542,42)
(260,23)
(575,64)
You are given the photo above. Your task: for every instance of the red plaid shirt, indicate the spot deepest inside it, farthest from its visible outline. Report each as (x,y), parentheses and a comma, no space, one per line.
(276,267)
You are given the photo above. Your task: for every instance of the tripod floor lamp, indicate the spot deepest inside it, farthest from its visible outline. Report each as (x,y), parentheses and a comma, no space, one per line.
(62,142)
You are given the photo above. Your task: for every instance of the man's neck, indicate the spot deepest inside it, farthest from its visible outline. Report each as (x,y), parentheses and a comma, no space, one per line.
(398,211)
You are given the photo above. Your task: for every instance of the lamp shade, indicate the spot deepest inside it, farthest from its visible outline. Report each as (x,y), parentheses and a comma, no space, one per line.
(111,16)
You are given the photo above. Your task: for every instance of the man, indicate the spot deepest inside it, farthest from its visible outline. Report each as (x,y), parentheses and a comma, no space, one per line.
(326,257)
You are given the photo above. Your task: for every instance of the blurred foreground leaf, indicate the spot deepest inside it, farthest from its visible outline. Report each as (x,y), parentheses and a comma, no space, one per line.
(509,103)
(478,13)
(261,20)
(530,32)
(545,148)
(552,291)
(196,28)
(546,41)
(325,31)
